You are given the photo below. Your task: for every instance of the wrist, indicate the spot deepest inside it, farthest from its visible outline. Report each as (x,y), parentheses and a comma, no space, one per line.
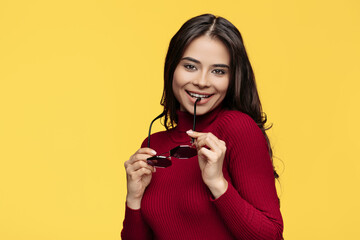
(218,187)
(133,203)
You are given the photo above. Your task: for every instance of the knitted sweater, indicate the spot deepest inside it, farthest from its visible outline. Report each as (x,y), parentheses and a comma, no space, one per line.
(178,205)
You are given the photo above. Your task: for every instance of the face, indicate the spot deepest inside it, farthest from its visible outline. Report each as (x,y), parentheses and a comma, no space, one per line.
(203,71)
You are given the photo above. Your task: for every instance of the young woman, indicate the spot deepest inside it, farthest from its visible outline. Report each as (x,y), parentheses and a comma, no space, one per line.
(226,191)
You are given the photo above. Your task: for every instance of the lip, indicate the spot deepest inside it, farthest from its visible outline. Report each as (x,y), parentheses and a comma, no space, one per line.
(202,101)
(200,93)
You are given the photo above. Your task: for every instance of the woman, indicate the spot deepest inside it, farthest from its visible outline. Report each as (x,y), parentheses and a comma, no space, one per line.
(228,190)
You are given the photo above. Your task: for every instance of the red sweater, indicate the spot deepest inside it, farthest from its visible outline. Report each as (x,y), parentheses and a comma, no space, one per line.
(178,205)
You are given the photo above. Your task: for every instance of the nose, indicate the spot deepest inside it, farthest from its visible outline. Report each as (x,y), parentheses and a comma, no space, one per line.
(202,81)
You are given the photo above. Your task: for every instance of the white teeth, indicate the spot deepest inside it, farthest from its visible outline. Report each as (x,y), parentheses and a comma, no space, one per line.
(195,95)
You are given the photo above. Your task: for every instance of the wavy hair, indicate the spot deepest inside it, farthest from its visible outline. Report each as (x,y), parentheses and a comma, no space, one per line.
(242,93)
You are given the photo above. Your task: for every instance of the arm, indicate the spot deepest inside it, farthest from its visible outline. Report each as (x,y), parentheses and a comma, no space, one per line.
(239,175)
(138,174)
(134,226)
(250,206)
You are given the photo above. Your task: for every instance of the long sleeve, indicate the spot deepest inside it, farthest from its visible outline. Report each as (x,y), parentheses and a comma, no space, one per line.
(134,227)
(250,206)
(176,203)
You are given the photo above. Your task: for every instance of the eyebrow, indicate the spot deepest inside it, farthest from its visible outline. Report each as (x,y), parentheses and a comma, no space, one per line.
(197,61)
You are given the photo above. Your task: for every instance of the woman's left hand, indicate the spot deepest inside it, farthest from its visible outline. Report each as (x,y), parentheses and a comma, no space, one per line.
(211,154)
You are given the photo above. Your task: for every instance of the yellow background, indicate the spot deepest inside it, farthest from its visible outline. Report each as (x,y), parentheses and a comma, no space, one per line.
(80,82)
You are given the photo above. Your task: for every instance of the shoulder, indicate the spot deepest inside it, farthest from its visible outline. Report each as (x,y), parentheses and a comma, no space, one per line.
(238,126)
(232,120)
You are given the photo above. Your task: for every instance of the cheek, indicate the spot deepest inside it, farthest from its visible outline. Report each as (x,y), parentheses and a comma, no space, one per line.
(222,86)
(180,79)
(175,82)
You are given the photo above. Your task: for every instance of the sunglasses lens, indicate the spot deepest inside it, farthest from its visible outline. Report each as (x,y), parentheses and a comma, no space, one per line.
(159,161)
(183,152)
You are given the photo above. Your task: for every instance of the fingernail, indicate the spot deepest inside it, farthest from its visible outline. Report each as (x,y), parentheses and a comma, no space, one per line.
(189,131)
(154,169)
(153,152)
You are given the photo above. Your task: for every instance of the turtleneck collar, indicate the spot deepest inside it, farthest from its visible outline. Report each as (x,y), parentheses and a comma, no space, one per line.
(186,120)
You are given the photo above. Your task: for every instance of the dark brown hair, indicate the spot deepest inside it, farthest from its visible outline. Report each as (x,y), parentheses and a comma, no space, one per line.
(242,94)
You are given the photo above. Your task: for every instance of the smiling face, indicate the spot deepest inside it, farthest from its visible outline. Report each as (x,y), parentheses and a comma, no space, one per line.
(203,71)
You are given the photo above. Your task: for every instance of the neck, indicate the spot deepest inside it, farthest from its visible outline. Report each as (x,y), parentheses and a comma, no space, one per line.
(186,119)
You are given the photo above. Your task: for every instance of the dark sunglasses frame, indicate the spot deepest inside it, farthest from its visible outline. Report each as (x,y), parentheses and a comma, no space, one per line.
(181,152)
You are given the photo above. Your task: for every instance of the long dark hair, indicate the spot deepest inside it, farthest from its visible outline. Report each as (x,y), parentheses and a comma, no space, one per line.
(242,94)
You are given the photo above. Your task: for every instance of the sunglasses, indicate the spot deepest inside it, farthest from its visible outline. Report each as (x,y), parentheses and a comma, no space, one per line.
(181,152)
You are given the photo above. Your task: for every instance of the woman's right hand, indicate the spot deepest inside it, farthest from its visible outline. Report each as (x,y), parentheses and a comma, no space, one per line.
(138,174)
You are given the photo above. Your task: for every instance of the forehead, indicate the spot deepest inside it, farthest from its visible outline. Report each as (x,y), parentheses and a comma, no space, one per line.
(208,50)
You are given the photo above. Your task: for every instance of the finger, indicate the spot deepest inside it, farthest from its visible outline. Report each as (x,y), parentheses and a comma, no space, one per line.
(202,139)
(146,151)
(200,135)
(140,172)
(200,142)
(215,139)
(136,158)
(137,165)
(194,134)
(210,141)
(208,154)
(139,157)
(222,145)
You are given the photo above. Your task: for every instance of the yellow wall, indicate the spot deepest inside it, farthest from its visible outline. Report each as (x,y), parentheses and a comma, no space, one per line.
(81,80)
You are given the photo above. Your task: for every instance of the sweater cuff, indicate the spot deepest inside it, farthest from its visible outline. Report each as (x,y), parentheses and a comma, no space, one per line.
(226,197)
(134,226)
(132,215)
(225,205)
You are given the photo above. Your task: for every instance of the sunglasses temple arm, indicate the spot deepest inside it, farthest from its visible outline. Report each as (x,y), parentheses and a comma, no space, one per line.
(197,100)
(161,115)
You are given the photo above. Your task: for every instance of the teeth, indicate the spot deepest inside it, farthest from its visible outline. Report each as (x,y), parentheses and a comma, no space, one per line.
(195,95)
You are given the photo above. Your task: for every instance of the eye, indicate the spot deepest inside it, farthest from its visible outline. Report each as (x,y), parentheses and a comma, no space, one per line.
(219,71)
(190,67)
